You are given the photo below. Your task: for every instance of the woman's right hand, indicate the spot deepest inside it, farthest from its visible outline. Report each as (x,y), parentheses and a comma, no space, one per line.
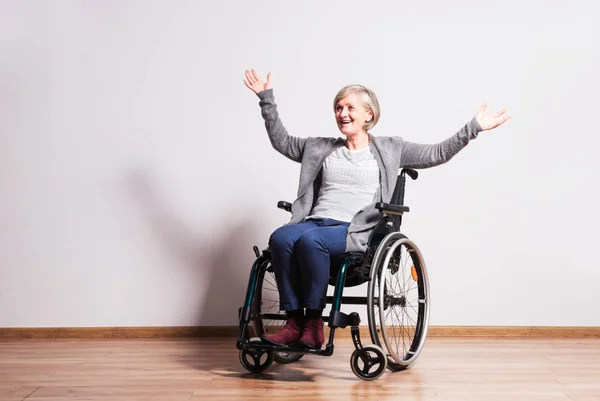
(255,84)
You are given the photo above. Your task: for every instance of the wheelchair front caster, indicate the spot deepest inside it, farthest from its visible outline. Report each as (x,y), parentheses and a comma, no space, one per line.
(368,363)
(256,361)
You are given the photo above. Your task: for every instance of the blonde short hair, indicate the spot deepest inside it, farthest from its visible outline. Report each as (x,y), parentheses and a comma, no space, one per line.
(366,97)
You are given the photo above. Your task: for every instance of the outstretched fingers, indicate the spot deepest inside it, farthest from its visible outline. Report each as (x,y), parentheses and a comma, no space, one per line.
(504,118)
(500,113)
(250,77)
(483,107)
(501,117)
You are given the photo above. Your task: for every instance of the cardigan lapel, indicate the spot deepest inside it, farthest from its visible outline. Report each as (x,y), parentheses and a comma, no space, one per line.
(383,170)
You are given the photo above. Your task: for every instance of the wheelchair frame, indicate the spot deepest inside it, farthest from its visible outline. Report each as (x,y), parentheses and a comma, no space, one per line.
(257,356)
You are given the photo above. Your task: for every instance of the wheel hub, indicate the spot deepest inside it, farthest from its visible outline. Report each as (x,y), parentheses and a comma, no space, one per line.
(393,301)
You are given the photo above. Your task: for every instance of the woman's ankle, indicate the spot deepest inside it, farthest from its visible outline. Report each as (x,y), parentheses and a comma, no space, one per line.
(312,314)
(295,314)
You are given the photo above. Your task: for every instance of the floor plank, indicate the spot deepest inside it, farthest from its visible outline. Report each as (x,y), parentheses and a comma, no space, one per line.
(449,369)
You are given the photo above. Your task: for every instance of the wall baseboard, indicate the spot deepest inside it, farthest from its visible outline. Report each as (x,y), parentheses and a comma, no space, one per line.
(232,332)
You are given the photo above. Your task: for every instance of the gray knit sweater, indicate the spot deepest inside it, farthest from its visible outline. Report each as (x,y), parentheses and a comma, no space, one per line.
(391,153)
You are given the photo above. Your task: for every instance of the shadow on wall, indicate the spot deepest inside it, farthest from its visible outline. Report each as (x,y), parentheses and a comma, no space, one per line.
(224,260)
(228,269)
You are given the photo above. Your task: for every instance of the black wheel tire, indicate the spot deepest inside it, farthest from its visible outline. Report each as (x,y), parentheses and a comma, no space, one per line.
(256,361)
(376,357)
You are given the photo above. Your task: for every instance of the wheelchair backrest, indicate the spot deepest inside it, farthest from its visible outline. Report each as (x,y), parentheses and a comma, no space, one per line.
(398,195)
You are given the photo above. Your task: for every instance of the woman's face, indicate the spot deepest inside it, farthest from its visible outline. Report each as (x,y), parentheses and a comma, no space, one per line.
(351,116)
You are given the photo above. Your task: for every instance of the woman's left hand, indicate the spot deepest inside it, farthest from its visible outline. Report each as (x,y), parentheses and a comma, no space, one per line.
(491,121)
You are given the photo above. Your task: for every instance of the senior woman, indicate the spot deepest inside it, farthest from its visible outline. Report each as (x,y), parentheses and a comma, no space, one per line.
(341,180)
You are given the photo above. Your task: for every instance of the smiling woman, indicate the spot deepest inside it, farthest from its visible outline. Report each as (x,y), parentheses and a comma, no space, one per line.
(341,180)
(356,110)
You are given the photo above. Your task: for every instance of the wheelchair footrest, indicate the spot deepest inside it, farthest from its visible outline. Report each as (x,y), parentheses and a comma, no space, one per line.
(342,320)
(326,351)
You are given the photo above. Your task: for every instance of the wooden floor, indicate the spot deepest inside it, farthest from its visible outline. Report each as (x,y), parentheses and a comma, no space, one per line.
(448,369)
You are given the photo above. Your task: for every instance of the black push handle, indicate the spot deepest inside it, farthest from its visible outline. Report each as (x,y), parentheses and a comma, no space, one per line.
(414,174)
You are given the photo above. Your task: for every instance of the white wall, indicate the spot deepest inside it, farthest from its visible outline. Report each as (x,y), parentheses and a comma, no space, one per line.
(136,174)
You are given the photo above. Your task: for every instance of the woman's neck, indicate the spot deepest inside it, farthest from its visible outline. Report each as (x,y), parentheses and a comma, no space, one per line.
(357,141)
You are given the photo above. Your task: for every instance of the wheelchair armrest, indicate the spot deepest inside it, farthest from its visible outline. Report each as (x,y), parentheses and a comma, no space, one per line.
(287,206)
(391,209)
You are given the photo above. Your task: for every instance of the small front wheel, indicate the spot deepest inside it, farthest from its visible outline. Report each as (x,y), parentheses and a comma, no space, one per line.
(256,361)
(369,363)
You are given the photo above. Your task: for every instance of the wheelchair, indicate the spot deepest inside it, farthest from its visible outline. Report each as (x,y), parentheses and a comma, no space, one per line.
(397,300)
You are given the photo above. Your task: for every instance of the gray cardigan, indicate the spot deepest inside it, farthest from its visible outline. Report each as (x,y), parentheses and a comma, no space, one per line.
(391,154)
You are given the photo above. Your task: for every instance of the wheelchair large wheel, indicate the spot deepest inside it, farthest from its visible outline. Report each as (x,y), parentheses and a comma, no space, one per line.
(398,300)
(266,314)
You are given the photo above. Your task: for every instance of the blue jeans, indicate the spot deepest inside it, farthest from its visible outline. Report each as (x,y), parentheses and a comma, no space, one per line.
(301,255)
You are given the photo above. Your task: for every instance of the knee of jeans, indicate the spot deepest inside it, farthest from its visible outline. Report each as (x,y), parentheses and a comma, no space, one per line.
(279,240)
(310,240)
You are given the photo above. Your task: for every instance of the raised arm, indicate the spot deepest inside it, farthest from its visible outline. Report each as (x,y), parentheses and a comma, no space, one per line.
(289,146)
(417,155)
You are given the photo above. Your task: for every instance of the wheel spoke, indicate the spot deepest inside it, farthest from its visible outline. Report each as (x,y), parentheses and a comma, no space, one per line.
(366,368)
